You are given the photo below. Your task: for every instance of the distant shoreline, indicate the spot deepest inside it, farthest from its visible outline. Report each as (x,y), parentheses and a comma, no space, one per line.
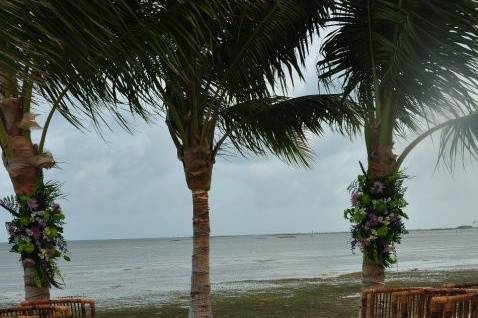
(280,235)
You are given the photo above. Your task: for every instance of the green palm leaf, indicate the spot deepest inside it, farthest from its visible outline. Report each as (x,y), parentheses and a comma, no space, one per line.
(423,51)
(459,137)
(279,125)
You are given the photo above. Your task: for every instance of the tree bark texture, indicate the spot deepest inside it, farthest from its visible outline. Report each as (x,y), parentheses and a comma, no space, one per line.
(198,164)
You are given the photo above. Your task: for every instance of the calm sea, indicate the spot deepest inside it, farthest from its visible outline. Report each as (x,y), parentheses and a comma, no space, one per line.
(137,272)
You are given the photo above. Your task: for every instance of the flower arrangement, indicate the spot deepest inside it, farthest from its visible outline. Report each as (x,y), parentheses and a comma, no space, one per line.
(377,216)
(36,233)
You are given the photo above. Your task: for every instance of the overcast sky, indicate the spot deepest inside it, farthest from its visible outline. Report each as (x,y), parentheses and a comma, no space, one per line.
(133,186)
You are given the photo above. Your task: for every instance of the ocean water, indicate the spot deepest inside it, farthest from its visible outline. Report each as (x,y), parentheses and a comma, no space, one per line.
(138,272)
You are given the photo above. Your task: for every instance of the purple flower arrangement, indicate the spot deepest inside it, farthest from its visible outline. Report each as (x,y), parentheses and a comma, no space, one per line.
(377,216)
(36,233)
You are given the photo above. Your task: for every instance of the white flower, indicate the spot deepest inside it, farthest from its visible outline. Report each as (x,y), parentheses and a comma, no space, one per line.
(43,254)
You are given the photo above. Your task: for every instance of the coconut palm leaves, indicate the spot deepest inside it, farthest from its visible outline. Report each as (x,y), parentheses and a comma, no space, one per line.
(406,62)
(424,51)
(227,83)
(278,125)
(94,54)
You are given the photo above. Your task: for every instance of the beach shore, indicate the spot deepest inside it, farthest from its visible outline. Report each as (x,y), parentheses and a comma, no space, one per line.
(295,298)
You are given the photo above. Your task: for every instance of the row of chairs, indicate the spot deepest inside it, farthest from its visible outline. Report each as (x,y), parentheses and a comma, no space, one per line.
(449,301)
(72,307)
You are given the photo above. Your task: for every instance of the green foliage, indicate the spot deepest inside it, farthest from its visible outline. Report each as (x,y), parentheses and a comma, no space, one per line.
(225,90)
(36,233)
(377,216)
(270,124)
(92,57)
(406,63)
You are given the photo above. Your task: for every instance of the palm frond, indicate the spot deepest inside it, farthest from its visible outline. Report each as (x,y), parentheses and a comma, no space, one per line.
(101,51)
(425,52)
(264,43)
(459,138)
(279,125)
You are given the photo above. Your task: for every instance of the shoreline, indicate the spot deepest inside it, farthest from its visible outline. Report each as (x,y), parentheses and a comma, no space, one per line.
(334,297)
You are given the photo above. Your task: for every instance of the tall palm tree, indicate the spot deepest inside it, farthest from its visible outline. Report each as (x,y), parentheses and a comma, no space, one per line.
(222,93)
(405,63)
(51,51)
(84,57)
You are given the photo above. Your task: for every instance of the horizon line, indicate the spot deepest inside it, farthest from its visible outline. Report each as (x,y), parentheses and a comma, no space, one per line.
(256,234)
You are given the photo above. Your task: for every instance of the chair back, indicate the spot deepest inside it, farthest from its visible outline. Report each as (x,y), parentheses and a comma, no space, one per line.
(411,302)
(377,302)
(459,306)
(78,306)
(416,303)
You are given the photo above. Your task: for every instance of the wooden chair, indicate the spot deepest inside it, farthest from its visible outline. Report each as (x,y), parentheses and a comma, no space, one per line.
(377,302)
(411,302)
(79,307)
(460,306)
(36,311)
(416,303)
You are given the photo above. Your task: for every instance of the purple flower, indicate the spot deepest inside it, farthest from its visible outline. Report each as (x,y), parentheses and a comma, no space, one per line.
(373,220)
(28,262)
(33,204)
(36,232)
(56,207)
(355,198)
(378,187)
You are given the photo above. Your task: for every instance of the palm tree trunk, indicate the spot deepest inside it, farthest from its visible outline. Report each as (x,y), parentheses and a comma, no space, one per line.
(198,164)
(25,178)
(373,274)
(200,284)
(25,172)
(381,164)
(32,292)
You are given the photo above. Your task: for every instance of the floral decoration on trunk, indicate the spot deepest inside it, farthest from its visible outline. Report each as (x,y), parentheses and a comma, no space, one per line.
(36,233)
(377,216)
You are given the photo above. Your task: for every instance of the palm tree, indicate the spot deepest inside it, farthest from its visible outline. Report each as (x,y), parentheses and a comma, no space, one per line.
(77,58)
(405,63)
(221,93)
(45,57)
